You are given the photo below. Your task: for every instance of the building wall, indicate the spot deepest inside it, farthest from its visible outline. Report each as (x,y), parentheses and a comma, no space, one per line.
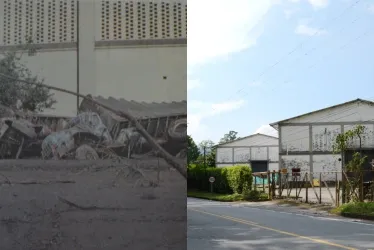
(307,142)
(136,50)
(148,74)
(240,152)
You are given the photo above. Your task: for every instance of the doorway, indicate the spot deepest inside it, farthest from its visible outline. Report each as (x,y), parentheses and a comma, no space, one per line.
(259,166)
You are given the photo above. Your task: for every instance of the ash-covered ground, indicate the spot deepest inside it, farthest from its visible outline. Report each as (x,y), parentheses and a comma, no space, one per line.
(66,205)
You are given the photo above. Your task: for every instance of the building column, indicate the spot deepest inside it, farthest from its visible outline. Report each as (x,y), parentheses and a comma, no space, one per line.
(280,146)
(311,148)
(86,48)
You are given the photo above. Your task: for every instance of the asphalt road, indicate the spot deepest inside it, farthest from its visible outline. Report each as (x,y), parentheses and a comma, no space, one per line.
(215,225)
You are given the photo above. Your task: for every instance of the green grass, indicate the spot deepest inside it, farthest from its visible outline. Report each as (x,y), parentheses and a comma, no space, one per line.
(364,210)
(222,197)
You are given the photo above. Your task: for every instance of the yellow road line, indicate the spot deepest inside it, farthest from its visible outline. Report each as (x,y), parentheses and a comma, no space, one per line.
(254,224)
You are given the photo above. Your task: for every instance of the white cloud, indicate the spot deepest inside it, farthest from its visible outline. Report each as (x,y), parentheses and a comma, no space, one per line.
(303,29)
(219,108)
(198,111)
(267,130)
(318,4)
(193,84)
(219,28)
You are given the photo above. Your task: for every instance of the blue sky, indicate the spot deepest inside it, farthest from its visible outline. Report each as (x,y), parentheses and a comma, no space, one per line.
(254,62)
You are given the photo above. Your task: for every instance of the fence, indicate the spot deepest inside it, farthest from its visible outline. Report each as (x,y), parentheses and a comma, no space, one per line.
(333,188)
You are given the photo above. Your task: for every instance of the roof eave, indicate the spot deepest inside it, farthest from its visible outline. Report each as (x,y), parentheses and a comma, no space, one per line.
(275,125)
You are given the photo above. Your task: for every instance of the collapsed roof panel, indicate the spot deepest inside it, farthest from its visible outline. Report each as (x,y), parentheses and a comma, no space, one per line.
(155,117)
(142,110)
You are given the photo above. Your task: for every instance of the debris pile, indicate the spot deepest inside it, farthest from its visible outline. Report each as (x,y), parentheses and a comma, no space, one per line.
(95,133)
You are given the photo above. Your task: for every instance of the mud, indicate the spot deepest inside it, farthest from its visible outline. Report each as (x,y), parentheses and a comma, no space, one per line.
(136,204)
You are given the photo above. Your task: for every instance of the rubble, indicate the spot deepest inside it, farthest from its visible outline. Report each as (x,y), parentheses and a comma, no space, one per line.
(94,133)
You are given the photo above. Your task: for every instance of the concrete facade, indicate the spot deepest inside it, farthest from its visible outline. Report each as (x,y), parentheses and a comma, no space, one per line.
(257,147)
(306,141)
(136,50)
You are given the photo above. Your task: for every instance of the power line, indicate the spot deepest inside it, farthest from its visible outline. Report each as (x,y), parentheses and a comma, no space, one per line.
(297,47)
(366,32)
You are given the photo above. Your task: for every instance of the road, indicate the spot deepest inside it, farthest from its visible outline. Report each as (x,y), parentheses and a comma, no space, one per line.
(215,225)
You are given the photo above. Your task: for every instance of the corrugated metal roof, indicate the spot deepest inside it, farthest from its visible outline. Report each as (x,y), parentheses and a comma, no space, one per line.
(143,109)
(358,100)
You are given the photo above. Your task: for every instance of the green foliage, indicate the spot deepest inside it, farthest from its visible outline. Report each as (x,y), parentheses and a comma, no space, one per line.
(248,196)
(193,152)
(354,167)
(211,158)
(207,144)
(357,162)
(31,97)
(253,195)
(215,196)
(228,180)
(230,136)
(344,141)
(356,209)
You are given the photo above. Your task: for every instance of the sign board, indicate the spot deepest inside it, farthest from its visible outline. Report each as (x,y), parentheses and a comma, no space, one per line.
(212,179)
(316,183)
(284,170)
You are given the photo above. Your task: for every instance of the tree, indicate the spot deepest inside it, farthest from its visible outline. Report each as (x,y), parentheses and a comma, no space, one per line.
(211,158)
(230,136)
(17,94)
(193,152)
(207,144)
(354,167)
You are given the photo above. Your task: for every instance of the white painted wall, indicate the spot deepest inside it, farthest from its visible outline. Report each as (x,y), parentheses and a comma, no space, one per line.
(58,68)
(133,72)
(296,138)
(224,155)
(255,147)
(140,73)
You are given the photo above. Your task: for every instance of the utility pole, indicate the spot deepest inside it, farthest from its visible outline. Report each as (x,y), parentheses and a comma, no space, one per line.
(78,75)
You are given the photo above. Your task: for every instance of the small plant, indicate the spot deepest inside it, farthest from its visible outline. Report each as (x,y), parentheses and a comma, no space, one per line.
(252,195)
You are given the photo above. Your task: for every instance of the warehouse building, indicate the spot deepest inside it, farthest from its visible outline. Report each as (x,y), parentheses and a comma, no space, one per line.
(136,50)
(258,150)
(306,141)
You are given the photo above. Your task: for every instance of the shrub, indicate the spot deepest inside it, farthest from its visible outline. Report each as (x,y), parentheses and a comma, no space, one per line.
(228,180)
(252,195)
(357,208)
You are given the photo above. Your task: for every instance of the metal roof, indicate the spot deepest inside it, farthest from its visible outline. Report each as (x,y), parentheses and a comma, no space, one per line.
(246,137)
(144,109)
(358,100)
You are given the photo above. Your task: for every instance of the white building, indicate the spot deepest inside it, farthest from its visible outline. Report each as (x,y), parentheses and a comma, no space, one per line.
(261,151)
(306,141)
(136,50)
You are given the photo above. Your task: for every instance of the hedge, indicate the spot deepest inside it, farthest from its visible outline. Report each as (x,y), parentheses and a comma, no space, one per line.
(229,180)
